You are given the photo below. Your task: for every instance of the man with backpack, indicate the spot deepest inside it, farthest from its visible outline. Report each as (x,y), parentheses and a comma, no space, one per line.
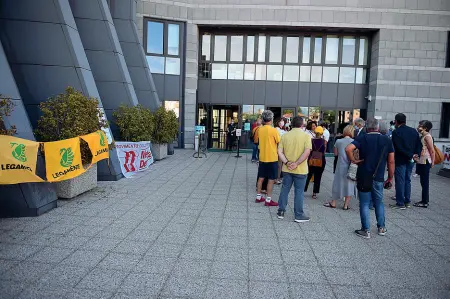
(255,151)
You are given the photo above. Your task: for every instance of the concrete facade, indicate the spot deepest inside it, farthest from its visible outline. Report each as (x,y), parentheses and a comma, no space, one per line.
(408,51)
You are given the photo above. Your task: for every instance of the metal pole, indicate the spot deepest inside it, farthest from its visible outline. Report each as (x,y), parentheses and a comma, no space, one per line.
(239,141)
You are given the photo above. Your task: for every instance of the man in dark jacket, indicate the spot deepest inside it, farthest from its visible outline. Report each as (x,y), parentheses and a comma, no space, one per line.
(407,144)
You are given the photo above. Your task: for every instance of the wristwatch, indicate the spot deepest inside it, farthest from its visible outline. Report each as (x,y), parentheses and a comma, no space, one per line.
(285,163)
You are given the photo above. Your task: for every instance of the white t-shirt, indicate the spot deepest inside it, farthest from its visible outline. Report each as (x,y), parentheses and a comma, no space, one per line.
(326,135)
(281,131)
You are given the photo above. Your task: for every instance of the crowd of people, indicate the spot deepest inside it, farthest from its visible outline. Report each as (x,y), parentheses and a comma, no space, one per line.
(363,152)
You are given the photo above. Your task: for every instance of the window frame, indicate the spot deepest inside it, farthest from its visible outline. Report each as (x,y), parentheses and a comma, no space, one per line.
(165,37)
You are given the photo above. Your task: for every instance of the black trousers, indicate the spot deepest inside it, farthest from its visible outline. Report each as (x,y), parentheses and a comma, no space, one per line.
(424,171)
(335,163)
(317,172)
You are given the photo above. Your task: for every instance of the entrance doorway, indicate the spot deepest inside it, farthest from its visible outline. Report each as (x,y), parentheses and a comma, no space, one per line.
(217,126)
(276,112)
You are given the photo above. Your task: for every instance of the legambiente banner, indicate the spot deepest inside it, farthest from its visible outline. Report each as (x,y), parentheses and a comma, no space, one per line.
(134,156)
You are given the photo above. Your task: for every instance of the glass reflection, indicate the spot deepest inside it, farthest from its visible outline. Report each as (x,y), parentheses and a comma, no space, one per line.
(155,37)
(362,59)
(219,71)
(236,71)
(316,74)
(314,113)
(261,48)
(173,39)
(332,49)
(173,106)
(317,50)
(347,75)
(306,49)
(206,47)
(260,73)
(250,48)
(305,73)
(303,112)
(330,74)
(258,109)
(276,47)
(236,47)
(290,73)
(274,72)
(172,66)
(156,64)
(361,75)
(220,48)
(348,50)
(249,72)
(292,49)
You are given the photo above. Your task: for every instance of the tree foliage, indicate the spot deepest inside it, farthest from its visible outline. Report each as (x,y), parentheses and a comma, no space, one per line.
(6,108)
(166,126)
(135,123)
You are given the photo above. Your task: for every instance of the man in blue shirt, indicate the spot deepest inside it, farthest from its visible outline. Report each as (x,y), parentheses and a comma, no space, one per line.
(375,151)
(407,145)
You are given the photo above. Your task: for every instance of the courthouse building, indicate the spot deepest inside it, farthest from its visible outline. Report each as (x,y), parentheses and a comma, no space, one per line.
(214,60)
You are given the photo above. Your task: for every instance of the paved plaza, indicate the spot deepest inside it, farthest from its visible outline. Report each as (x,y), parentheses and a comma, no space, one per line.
(189,228)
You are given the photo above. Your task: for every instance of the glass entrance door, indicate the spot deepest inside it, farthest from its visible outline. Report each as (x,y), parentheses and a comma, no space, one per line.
(220,118)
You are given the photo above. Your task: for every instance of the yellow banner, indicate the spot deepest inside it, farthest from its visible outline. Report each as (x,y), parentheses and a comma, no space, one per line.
(63,159)
(98,143)
(18,159)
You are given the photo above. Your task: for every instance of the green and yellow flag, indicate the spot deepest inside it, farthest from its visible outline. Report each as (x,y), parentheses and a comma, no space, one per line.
(18,159)
(98,143)
(63,159)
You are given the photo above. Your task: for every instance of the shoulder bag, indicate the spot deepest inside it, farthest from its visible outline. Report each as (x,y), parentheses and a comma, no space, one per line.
(364,182)
(316,159)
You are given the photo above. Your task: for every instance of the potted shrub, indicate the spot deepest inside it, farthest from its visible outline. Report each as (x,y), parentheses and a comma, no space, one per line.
(68,115)
(135,123)
(163,132)
(172,122)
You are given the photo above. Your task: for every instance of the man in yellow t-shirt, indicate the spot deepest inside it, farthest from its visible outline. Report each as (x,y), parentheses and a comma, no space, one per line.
(268,139)
(294,150)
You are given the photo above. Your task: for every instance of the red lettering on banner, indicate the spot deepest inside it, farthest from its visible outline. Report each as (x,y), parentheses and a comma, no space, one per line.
(447,157)
(130,158)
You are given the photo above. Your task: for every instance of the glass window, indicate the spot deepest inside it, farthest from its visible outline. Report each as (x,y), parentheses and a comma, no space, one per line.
(306,49)
(219,71)
(316,74)
(155,37)
(330,74)
(206,47)
(317,50)
(172,66)
(290,73)
(173,39)
(174,106)
(302,112)
(276,48)
(236,71)
(260,73)
(332,49)
(220,48)
(314,113)
(237,45)
(305,73)
(347,75)
(361,75)
(258,109)
(292,49)
(362,51)
(247,109)
(274,72)
(250,48)
(348,50)
(156,64)
(261,48)
(249,72)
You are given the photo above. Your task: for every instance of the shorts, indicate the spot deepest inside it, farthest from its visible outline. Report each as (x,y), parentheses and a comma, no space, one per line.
(268,170)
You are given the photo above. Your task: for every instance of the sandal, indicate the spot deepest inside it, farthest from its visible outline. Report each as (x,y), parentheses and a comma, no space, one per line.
(346,208)
(329,205)
(421,204)
(314,196)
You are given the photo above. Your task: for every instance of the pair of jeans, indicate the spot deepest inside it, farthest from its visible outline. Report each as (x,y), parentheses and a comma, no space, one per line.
(317,173)
(424,171)
(299,181)
(376,196)
(403,183)
(255,152)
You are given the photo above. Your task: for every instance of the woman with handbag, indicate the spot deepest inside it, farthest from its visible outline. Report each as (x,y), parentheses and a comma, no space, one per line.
(425,162)
(342,185)
(316,161)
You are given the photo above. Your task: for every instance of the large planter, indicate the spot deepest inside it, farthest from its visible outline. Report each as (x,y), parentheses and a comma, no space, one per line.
(76,186)
(170,149)
(159,151)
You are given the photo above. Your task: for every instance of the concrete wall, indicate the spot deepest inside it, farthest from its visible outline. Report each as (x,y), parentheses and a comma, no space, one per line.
(408,53)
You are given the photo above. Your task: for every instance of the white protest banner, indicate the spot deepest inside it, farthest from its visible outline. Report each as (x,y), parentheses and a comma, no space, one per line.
(134,156)
(446,162)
